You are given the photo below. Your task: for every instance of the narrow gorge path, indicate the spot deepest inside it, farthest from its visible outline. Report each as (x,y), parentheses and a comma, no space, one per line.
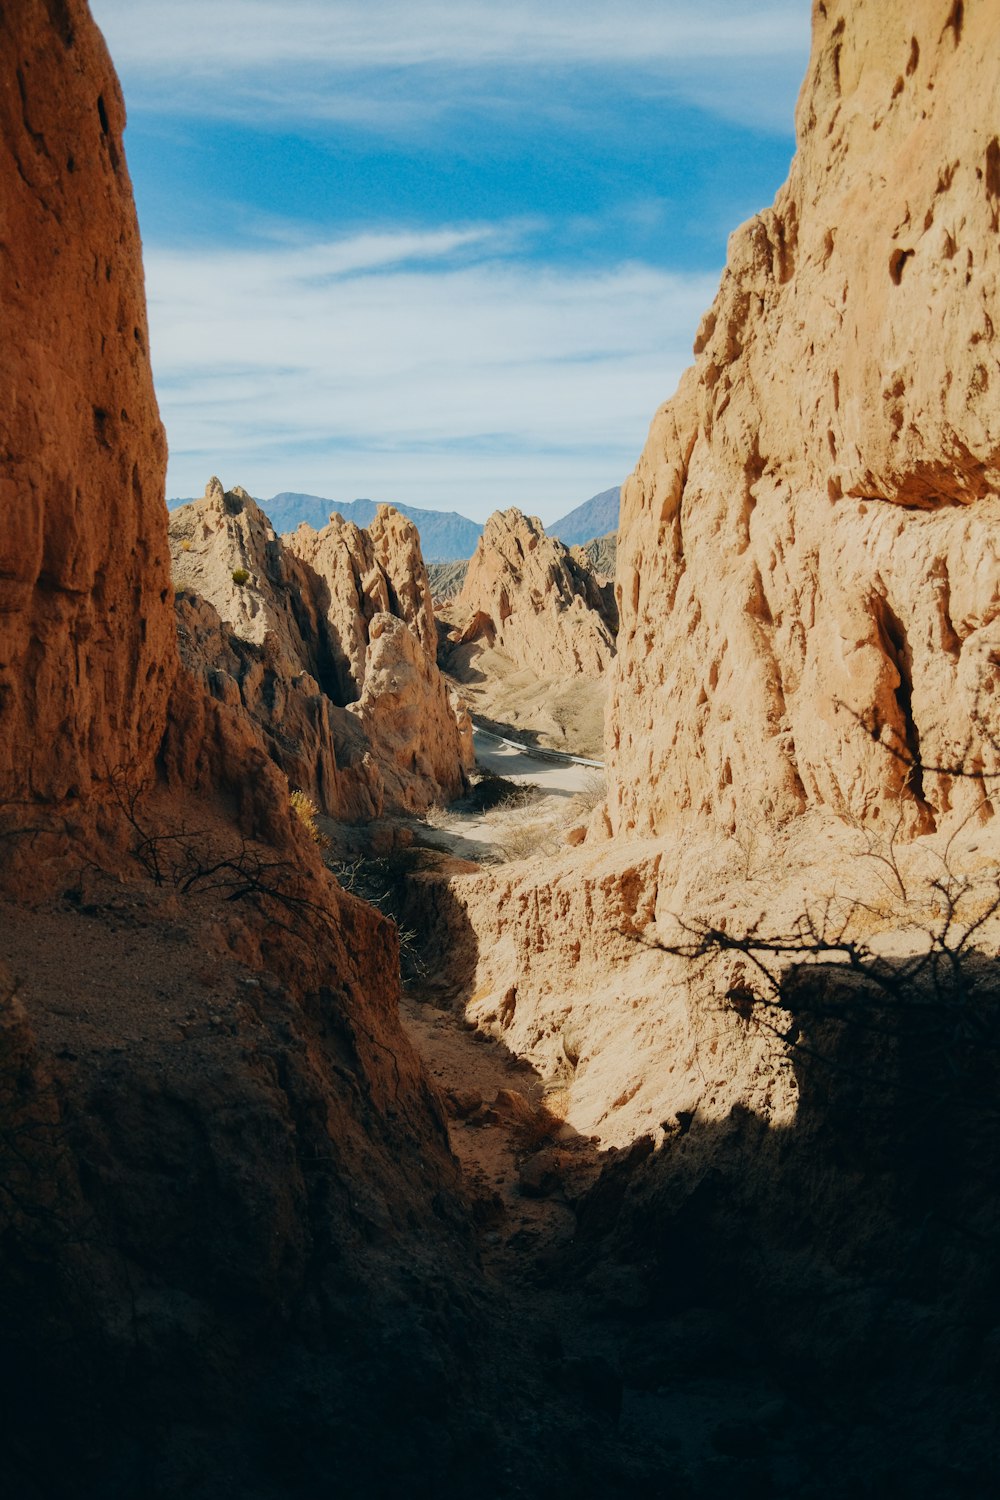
(651,1400)
(652,1393)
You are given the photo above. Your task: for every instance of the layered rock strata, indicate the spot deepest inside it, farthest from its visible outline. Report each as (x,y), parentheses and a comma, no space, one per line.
(808,562)
(327,640)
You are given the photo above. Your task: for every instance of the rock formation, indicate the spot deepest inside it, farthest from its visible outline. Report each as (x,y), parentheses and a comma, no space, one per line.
(600,555)
(531,635)
(228,1210)
(808,577)
(808,553)
(287,629)
(526,595)
(87,655)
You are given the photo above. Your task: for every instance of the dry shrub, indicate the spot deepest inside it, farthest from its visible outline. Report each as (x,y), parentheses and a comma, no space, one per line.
(527,840)
(307,812)
(592,794)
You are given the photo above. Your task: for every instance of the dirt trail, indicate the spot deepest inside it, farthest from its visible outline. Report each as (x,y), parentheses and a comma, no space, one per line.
(664,1397)
(502,1126)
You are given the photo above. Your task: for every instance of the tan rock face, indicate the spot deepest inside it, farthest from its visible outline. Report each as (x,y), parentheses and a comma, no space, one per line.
(87,651)
(358,573)
(421,735)
(809,542)
(528,596)
(301,633)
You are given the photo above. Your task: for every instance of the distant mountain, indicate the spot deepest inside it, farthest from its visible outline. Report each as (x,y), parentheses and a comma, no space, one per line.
(595,517)
(445,536)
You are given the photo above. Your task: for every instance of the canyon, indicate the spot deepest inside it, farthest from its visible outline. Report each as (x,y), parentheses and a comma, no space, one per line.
(675,1170)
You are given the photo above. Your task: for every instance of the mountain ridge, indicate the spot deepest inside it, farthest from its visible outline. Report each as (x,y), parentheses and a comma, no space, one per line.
(445,535)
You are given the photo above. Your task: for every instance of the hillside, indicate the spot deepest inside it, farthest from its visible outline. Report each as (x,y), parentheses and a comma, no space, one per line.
(595,517)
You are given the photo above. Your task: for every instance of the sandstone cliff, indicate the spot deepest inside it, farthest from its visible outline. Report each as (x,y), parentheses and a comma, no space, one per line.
(808,559)
(227,1204)
(762,973)
(287,630)
(87,655)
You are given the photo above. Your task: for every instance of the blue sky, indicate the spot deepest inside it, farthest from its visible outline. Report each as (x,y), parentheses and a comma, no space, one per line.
(451,254)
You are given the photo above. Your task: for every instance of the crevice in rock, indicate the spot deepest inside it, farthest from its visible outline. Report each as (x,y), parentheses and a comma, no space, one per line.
(897,648)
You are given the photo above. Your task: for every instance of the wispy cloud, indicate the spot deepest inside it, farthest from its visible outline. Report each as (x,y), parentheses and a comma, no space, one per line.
(357,366)
(360,62)
(164,35)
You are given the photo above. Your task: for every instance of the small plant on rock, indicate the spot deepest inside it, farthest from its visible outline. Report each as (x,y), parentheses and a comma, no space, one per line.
(307,812)
(240,577)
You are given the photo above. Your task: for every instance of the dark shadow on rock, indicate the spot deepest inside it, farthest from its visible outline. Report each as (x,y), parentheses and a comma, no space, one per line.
(329,661)
(851,1258)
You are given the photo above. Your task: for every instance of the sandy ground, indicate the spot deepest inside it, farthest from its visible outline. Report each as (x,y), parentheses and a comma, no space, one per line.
(555,712)
(559,794)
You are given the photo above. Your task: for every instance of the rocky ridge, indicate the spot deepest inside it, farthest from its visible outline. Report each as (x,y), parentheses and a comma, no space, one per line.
(327,640)
(526,595)
(529,637)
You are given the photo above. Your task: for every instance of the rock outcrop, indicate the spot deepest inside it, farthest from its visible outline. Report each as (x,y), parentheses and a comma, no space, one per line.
(230,1223)
(600,555)
(526,595)
(87,655)
(808,561)
(769,973)
(301,633)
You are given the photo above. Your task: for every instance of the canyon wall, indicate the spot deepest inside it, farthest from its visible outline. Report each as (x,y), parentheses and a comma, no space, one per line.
(808,561)
(87,649)
(762,975)
(233,1249)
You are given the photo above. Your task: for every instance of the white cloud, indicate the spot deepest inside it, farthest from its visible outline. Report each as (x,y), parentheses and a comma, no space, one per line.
(341,60)
(382,365)
(201,35)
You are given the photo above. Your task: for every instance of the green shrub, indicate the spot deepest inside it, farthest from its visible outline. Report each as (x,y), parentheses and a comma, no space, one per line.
(240,576)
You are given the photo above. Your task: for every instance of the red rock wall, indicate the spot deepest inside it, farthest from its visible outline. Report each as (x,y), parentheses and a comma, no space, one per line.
(87,648)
